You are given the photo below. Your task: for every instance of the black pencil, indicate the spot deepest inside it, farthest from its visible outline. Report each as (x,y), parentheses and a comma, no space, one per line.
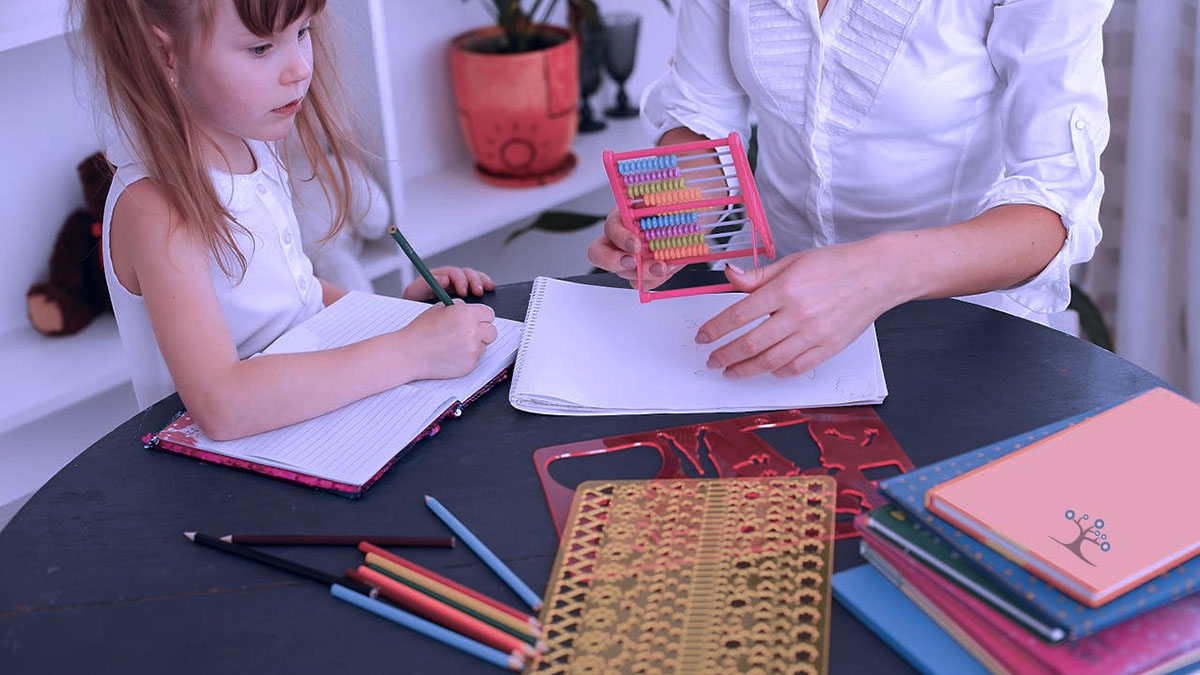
(337,540)
(420,265)
(277,562)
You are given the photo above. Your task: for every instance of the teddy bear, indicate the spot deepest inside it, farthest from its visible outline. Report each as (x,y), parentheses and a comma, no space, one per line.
(337,260)
(76,292)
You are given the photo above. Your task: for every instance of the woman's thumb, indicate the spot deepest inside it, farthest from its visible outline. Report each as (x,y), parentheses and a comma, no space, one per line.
(745,280)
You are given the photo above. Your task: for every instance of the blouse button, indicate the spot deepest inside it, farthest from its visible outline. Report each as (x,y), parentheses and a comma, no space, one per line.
(1080,125)
(262,189)
(287,237)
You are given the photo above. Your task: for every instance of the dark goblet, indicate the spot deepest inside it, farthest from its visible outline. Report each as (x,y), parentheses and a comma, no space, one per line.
(591,58)
(620,48)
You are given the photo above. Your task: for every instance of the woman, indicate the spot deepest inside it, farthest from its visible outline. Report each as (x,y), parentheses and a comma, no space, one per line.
(907,149)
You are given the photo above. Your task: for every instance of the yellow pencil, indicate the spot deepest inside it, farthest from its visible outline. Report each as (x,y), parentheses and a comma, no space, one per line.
(445,591)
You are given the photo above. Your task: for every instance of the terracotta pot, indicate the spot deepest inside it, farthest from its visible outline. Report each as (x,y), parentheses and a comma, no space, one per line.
(518,112)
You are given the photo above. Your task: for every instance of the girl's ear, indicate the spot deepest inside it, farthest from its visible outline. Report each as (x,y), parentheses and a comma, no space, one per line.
(166,51)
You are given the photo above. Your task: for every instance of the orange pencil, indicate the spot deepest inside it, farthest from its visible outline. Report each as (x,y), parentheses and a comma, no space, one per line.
(466,603)
(430,608)
(367,547)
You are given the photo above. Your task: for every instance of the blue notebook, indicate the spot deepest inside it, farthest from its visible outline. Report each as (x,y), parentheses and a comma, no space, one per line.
(1050,604)
(896,619)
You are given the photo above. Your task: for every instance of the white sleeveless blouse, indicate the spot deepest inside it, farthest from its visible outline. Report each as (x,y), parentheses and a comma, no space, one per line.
(277,292)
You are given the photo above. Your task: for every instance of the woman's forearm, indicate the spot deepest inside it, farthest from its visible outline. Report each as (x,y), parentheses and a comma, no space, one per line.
(998,249)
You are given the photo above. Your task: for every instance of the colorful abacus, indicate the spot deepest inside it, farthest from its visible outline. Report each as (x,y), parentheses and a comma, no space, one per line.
(671,201)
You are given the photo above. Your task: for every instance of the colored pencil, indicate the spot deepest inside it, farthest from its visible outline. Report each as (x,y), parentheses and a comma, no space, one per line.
(495,657)
(420,265)
(443,614)
(369,547)
(336,540)
(275,561)
(500,623)
(514,582)
(497,618)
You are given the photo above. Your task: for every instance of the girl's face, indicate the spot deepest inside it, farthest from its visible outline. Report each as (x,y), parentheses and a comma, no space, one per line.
(238,85)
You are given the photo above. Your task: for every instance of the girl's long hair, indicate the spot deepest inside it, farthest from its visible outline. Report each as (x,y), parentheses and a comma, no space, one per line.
(152,118)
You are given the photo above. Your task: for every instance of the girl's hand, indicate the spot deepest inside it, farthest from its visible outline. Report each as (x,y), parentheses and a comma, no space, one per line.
(614,251)
(817,302)
(444,342)
(457,280)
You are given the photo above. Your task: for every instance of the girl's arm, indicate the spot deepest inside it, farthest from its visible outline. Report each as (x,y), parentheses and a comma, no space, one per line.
(229,397)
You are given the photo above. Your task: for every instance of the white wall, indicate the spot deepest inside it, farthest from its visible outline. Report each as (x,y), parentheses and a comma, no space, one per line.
(44,134)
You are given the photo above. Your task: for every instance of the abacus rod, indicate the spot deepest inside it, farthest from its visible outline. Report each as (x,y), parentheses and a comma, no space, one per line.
(727,190)
(712,235)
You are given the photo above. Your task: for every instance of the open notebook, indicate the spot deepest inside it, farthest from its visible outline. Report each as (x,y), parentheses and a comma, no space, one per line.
(591,350)
(347,449)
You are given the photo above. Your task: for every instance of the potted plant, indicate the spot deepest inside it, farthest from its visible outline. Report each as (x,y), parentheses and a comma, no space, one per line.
(516,86)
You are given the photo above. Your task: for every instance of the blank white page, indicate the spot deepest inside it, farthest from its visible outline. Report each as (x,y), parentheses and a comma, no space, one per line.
(591,350)
(352,443)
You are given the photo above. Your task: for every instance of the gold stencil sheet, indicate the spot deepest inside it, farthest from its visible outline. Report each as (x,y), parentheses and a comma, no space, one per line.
(727,575)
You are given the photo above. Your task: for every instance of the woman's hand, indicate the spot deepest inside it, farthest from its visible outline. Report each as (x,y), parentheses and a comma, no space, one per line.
(458,280)
(444,342)
(614,251)
(816,302)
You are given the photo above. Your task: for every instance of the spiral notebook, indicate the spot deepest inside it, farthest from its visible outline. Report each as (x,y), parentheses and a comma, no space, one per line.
(348,449)
(593,350)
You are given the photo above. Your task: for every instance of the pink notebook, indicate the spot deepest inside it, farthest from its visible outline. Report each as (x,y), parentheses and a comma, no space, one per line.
(1159,641)
(1096,509)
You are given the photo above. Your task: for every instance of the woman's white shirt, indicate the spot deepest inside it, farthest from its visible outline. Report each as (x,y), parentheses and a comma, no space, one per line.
(277,292)
(885,115)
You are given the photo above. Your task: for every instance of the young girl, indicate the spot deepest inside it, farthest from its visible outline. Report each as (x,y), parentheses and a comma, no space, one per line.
(202,252)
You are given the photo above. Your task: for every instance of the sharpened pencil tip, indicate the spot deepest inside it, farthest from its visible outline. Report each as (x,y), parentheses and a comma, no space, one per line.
(190,535)
(227,538)
(428,499)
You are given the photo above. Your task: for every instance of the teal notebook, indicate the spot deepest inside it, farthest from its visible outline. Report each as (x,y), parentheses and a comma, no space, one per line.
(901,623)
(1048,603)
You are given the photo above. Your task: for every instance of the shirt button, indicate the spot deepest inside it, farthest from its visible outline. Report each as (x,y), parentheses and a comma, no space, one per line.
(262,189)
(304,283)
(287,237)
(1080,125)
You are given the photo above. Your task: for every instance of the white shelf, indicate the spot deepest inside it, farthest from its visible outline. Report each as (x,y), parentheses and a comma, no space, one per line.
(24,22)
(446,208)
(45,374)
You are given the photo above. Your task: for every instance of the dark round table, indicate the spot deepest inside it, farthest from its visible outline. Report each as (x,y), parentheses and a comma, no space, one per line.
(95,575)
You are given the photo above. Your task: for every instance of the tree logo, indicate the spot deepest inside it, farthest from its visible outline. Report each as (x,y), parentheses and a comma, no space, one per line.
(1096,537)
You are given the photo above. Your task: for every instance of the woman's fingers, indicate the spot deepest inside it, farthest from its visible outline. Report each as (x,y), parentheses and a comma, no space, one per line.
(741,356)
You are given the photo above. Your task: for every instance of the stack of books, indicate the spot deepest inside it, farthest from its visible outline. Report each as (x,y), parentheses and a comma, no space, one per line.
(1070,549)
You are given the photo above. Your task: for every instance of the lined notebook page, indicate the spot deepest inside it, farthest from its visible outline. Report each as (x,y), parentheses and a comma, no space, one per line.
(591,350)
(351,444)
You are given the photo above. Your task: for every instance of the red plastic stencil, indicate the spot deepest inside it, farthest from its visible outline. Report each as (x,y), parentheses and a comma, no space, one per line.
(850,440)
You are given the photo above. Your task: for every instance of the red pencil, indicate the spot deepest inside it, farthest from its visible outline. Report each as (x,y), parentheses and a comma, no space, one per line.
(367,547)
(438,612)
(336,540)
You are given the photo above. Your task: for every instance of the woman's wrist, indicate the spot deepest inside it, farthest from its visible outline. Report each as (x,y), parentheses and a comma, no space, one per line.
(896,258)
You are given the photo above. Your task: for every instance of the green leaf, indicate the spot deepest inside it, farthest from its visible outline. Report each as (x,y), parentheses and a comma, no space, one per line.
(556,221)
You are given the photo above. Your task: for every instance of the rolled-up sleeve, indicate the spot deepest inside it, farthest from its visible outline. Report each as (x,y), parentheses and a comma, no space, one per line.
(1055,119)
(699,90)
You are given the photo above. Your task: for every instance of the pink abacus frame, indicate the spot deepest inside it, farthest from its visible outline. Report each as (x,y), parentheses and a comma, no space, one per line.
(745,194)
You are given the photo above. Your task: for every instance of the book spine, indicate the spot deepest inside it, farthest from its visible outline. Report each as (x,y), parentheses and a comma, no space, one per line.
(531,315)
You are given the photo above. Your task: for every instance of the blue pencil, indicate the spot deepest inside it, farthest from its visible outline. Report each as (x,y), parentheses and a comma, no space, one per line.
(514,582)
(492,656)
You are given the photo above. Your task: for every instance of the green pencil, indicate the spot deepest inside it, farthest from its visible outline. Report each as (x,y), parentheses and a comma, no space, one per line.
(417,263)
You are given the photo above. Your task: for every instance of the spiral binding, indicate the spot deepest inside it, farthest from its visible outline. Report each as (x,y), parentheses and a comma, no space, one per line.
(531,315)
